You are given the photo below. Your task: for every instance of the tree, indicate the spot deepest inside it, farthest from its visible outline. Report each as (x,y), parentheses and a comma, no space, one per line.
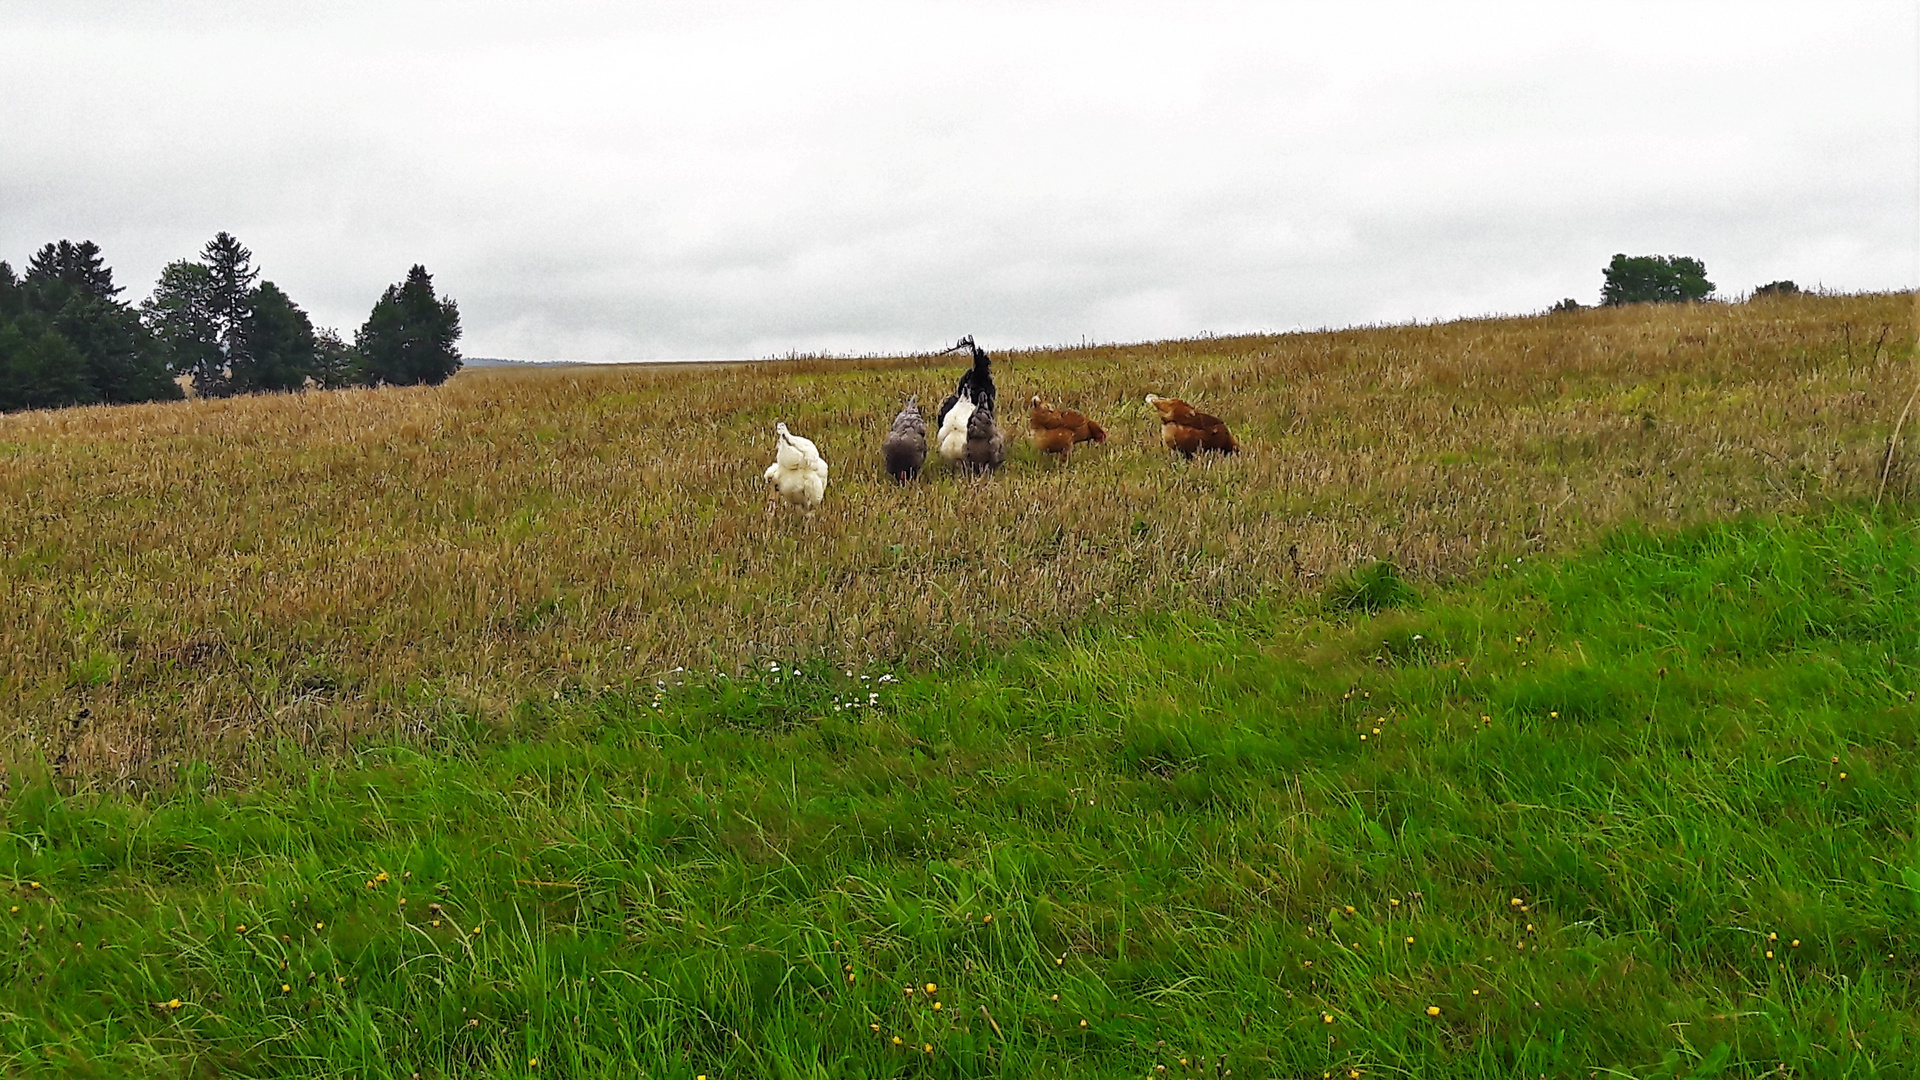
(1776,288)
(202,313)
(1569,304)
(38,368)
(60,269)
(72,287)
(181,315)
(409,338)
(12,298)
(335,363)
(1655,279)
(277,344)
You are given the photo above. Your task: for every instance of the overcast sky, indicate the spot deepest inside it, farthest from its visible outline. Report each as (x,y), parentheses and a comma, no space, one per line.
(707,180)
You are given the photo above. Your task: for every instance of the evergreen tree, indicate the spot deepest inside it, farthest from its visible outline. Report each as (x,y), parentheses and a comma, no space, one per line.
(409,338)
(61,270)
(12,298)
(72,287)
(277,346)
(38,368)
(202,312)
(335,363)
(182,317)
(1655,279)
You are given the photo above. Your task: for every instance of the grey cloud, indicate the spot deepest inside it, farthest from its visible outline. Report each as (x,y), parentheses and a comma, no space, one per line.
(598,184)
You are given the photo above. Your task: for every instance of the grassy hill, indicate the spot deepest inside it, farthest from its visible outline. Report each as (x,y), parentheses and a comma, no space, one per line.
(206,579)
(384,769)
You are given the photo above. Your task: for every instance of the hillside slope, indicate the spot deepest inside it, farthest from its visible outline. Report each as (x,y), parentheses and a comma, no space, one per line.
(206,579)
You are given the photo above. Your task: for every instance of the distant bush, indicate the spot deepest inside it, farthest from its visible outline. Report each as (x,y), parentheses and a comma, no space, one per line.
(1655,279)
(1776,288)
(1569,304)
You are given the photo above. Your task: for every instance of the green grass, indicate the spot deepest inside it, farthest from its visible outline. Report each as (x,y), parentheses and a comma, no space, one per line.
(1588,791)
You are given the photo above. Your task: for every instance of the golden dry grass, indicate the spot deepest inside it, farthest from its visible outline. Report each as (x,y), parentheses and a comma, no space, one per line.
(208,576)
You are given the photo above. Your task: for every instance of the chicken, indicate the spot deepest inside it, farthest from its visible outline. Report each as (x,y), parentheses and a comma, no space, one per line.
(976,384)
(952,439)
(1188,431)
(1056,430)
(986,446)
(906,445)
(798,473)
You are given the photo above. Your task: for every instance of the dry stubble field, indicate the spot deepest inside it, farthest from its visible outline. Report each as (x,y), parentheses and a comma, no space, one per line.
(203,580)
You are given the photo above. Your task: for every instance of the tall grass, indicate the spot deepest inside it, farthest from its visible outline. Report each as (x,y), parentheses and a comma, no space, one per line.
(209,580)
(1648,812)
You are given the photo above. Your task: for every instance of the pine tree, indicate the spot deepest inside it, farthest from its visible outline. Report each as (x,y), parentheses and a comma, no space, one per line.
(38,368)
(61,269)
(336,365)
(181,315)
(409,337)
(277,344)
(12,298)
(201,313)
(72,287)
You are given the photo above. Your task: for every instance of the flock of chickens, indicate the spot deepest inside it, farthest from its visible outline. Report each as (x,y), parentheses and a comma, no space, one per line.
(967,437)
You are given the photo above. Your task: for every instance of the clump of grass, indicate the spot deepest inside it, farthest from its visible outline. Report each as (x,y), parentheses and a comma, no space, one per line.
(1374,587)
(1649,809)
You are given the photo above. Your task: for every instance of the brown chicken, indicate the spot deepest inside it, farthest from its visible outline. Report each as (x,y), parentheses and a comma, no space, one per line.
(1188,431)
(1056,430)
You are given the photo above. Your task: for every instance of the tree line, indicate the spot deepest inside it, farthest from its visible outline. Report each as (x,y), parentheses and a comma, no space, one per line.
(1662,279)
(66,337)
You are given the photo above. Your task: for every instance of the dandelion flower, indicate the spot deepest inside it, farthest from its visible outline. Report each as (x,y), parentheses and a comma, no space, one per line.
(927,1049)
(1349,909)
(1433,1010)
(1515,902)
(1409,941)
(875,1028)
(173,1003)
(1393,902)
(476,931)
(897,1040)
(937,1006)
(1769,954)
(1773,937)
(241,929)
(1326,1018)
(1795,943)
(319,925)
(932,989)
(1083,1023)
(1553,716)
(286,989)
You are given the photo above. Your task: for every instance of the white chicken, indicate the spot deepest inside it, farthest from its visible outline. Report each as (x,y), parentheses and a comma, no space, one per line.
(952,440)
(798,473)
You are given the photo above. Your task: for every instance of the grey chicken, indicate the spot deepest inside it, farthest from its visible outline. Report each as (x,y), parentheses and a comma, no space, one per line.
(906,445)
(986,445)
